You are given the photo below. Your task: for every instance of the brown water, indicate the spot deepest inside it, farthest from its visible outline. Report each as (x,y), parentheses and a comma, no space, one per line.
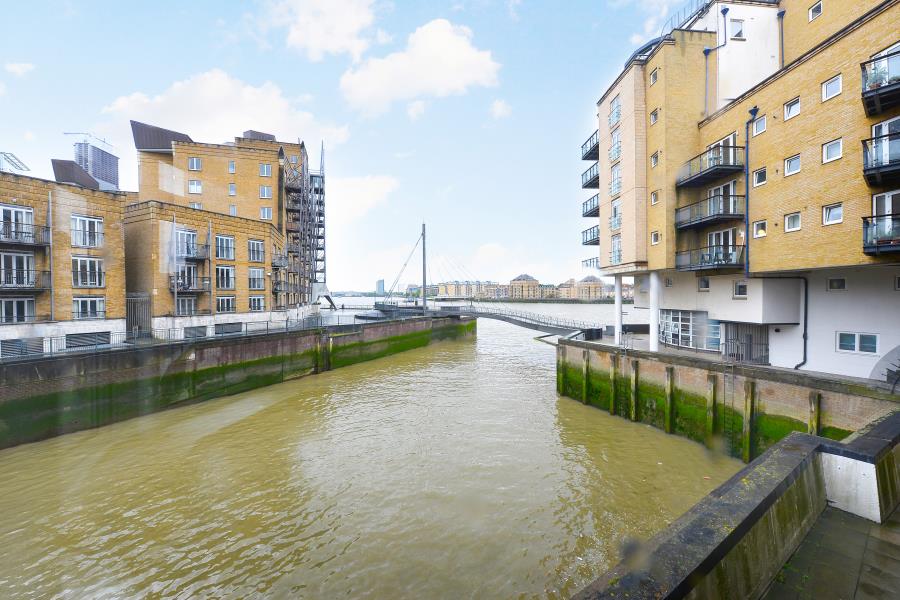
(448,472)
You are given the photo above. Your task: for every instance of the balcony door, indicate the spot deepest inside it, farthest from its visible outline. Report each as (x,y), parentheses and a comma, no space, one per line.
(187,277)
(186,242)
(722,152)
(886,210)
(883,149)
(16,224)
(720,199)
(17,310)
(720,246)
(16,270)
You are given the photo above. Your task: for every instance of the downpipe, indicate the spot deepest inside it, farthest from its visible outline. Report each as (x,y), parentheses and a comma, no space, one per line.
(753,112)
(805,320)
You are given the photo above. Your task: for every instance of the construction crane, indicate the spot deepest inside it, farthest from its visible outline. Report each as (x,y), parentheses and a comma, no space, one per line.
(86,135)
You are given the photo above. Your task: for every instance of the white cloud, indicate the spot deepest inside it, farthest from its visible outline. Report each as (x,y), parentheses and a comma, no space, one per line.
(383,37)
(656,13)
(415,109)
(320,27)
(439,60)
(500,109)
(512,7)
(350,198)
(212,107)
(18,69)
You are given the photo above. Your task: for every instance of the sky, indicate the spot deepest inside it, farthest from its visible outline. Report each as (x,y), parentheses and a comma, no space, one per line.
(467,115)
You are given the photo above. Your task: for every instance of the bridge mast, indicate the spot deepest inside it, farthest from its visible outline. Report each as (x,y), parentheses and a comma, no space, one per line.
(424,276)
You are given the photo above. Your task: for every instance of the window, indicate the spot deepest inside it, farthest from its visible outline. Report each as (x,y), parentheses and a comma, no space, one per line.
(703,284)
(257,303)
(225,304)
(195,205)
(231,166)
(615,111)
(225,247)
(792,109)
(232,210)
(668,282)
(232,189)
(224,277)
(791,165)
(265,191)
(654,116)
(836,284)
(815,10)
(654,159)
(759,229)
(857,342)
(654,197)
(833,213)
(186,306)
(265,213)
(759,125)
(831,88)
(265,169)
(759,177)
(654,75)
(87,272)
(87,232)
(195,186)
(16,310)
(737,29)
(792,222)
(740,288)
(194,164)
(88,308)
(654,238)
(293,159)
(256,251)
(832,150)
(257,278)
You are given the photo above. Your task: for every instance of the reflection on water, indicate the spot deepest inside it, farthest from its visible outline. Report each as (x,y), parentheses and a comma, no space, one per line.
(446,472)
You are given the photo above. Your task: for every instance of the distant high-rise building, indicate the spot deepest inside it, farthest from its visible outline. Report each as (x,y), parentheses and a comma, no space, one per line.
(379,287)
(99,164)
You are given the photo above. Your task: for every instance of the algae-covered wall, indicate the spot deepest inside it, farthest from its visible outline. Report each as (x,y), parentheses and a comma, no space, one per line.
(741,409)
(50,396)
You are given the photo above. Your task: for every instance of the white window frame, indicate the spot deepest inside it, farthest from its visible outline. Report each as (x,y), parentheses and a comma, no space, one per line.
(195,163)
(225,304)
(224,277)
(700,287)
(93,304)
(654,197)
(765,229)
(224,247)
(195,205)
(825,212)
(232,210)
(232,189)
(654,116)
(809,13)
(654,76)
(840,79)
(265,192)
(91,276)
(256,251)
(257,303)
(265,213)
(265,169)
(654,238)
(734,289)
(654,159)
(799,165)
(231,166)
(756,122)
(828,287)
(195,186)
(799,222)
(840,143)
(739,34)
(9,312)
(756,182)
(790,103)
(256,274)
(86,230)
(856,336)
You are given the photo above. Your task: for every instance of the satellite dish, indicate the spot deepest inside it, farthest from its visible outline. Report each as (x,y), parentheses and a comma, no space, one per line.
(13,162)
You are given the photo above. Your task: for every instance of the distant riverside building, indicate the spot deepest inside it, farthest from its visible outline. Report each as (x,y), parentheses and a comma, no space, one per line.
(379,287)
(99,164)
(524,287)
(745,172)
(467,289)
(567,290)
(590,288)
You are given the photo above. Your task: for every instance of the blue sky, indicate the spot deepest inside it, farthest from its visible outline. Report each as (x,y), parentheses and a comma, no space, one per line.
(468,115)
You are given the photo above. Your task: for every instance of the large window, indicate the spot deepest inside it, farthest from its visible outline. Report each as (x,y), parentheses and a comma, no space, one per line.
(225,304)
(87,272)
(257,303)
(16,310)
(186,243)
(87,232)
(265,170)
(186,306)
(865,343)
(256,251)
(225,247)
(224,277)
(16,224)
(689,329)
(257,278)
(88,308)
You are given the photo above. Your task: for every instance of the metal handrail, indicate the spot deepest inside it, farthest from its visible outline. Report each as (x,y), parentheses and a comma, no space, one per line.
(615,115)
(881,71)
(85,315)
(615,186)
(592,141)
(590,234)
(24,279)
(717,156)
(24,233)
(189,284)
(615,151)
(530,317)
(881,151)
(881,230)
(85,238)
(590,205)
(591,263)
(711,256)
(13,319)
(592,172)
(719,204)
(615,222)
(88,279)
(615,257)
(200,251)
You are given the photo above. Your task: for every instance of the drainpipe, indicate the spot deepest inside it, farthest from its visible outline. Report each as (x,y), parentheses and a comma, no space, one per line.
(706,53)
(781,35)
(753,111)
(805,320)
(50,232)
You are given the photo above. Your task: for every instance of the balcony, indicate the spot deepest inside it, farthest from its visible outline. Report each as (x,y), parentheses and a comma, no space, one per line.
(15,319)
(188,285)
(590,263)
(615,152)
(590,150)
(615,115)
(710,210)
(192,311)
(881,234)
(279,261)
(16,280)
(88,279)
(615,222)
(293,248)
(710,165)
(293,205)
(591,237)
(292,226)
(710,258)
(22,234)
(85,238)
(615,256)
(881,159)
(88,315)
(192,251)
(591,207)
(615,187)
(590,179)
(881,84)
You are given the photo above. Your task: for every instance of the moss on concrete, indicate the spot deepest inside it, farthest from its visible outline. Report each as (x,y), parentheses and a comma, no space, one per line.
(770,429)
(834,433)
(652,404)
(598,386)
(690,415)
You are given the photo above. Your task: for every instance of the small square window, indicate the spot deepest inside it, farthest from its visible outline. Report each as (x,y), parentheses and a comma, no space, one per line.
(833,214)
(232,210)
(868,343)
(792,109)
(654,197)
(737,29)
(195,205)
(832,150)
(792,165)
(654,75)
(194,164)
(792,222)
(195,186)
(668,282)
(815,10)
(265,191)
(703,284)
(740,288)
(265,213)
(232,189)
(759,125)
(231,166)
(759,177)
(265,170)
(654,116)
(836,284)
(759,229)
(832,88)
(654,159)
(847,342)
(654,238)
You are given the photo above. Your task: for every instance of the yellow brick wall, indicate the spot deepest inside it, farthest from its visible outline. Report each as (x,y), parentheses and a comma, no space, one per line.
(801,34)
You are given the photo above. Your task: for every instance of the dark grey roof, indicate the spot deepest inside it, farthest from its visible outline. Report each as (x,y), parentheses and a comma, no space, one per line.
(68,171)
(259,135)
(524,277)
(151,137)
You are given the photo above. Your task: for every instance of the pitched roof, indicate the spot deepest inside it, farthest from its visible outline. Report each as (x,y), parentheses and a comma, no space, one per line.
(524,277)
(152,138)
(68,171)
(591,279)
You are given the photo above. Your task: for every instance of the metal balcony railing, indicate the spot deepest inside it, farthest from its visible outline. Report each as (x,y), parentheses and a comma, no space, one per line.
(257,256)
(86,315)
(591,263)
(589,149)
(13,319)
(881,83)
(188,285)
(615,151)
(22,233)
(591,206)
(292,226)
(591,177)
(615,115)
(192,251)
(615,186)
(615,256)
(881,159)
(721,207)
(591,237)
(18,279)
(711,164)
(710,257)
(191,311)
(881,234)
(85,238)
(279,261)
(88,279)
(615,222)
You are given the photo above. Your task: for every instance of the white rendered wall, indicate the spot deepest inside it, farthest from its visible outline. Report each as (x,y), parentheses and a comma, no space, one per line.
(275,318)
